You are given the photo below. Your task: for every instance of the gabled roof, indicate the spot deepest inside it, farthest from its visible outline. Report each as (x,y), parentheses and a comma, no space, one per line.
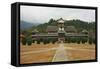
(60,20)
(52,28)
(84,31)
(70,29)
(61,31)
(35,30)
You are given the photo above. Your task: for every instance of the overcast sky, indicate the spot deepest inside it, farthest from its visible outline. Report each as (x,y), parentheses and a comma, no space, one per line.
(43,14)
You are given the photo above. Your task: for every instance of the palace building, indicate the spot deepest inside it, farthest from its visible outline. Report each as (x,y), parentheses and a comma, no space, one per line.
(59,32)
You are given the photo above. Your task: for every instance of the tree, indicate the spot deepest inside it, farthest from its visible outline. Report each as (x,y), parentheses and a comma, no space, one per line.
(51,21)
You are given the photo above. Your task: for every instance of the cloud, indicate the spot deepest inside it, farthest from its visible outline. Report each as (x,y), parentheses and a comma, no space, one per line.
(43,14)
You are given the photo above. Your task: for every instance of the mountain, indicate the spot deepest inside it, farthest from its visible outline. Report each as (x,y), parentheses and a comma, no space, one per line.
(26,25)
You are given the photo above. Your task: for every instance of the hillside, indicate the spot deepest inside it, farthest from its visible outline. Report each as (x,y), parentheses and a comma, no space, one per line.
(78,24)
(24,25)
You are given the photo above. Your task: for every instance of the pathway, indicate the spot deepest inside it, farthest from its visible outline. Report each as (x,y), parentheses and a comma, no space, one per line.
(61,54)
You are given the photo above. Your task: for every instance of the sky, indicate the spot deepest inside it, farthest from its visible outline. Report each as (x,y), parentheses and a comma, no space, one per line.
(38,14)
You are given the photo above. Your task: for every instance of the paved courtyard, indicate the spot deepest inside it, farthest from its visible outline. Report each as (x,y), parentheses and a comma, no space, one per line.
(37,53)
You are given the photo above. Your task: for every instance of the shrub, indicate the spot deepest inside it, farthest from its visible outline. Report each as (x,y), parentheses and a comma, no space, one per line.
(73,39)
(84,39)
(29,40)
(44,41)
(78,40)
(38,41)
(47,40)
(66,40)
(53,42)
(24,41)
(94,41)
(33,41)
(69,40)
(41,40)
(90,40)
